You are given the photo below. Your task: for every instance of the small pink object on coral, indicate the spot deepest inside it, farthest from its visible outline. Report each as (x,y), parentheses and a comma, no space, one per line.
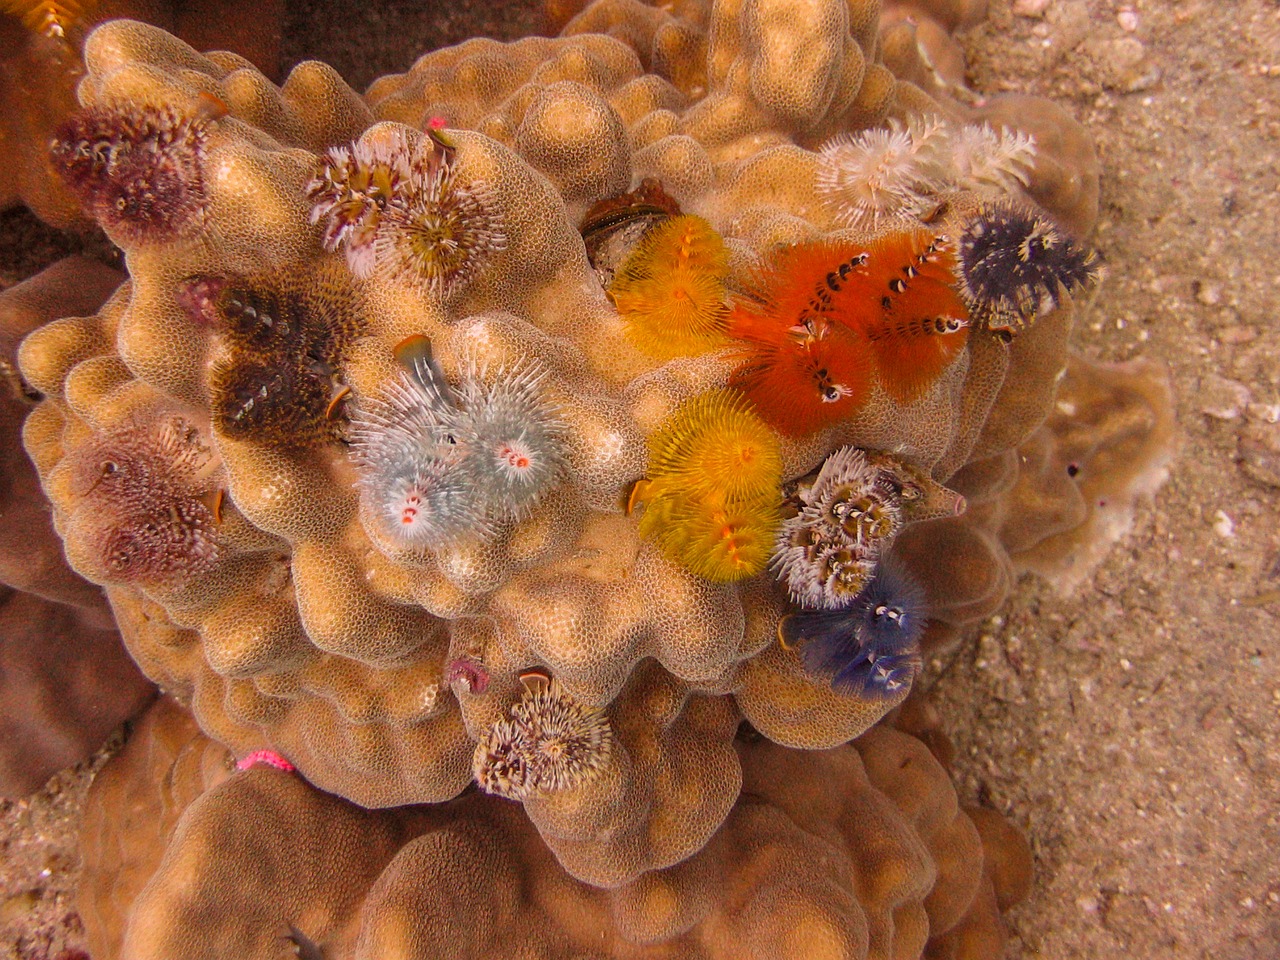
(269,757)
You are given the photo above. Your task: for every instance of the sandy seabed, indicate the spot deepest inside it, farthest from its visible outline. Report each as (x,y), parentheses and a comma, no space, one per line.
(1130,727)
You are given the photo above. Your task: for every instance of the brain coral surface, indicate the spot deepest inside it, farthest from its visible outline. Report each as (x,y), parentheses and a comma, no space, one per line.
(547,412)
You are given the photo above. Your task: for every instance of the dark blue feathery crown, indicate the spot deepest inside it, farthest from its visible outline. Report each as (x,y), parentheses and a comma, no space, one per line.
(870,648)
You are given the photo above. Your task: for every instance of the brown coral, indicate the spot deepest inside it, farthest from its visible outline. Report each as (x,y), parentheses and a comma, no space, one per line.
(65,680)
(312,629)
(65,684)
(852,852)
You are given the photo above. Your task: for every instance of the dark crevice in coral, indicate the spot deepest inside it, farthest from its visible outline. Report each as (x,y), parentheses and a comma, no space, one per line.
(28,245)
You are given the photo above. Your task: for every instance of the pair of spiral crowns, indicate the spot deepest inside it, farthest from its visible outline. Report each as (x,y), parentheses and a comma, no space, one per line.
(440,463)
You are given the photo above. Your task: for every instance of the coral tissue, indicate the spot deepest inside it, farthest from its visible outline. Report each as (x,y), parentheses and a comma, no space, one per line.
(590,418)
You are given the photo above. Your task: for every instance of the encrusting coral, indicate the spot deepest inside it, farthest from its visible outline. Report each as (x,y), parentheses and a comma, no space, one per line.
(551,410)
(879,858)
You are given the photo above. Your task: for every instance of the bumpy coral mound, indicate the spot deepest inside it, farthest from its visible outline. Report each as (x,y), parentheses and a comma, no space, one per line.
(1112,432)
(854,852)
(30,552)
(65,679)
(379,475)
(65,684)
(131,812)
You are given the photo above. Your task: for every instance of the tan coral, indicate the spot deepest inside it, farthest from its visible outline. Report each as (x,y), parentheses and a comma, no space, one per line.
(133,821)
(41,65)
(316,632)
(844,853)
(1053,504)
(1107,443)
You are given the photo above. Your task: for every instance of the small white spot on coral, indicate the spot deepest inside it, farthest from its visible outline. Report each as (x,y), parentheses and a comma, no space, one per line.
(222,172)
(610,446)
(1223,525)
(480,333)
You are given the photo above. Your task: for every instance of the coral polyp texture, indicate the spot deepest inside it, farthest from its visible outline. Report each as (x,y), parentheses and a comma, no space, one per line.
(903,868)
(548,412)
